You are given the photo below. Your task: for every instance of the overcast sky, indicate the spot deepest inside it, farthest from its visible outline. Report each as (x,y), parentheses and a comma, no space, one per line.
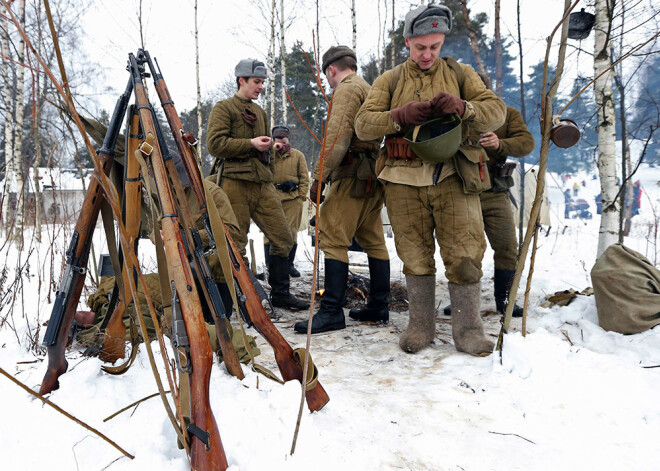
(233,29)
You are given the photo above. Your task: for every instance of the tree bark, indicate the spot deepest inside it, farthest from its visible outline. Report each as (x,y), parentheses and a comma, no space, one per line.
(473,39)
(393,35)
(200,130)
(354,20)
(524,117)
(608,233)
(9,120)
(283,64)
(18,138)
(271,62)
(498,51)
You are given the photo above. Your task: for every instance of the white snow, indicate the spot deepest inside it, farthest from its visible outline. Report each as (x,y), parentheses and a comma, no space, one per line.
(569,395)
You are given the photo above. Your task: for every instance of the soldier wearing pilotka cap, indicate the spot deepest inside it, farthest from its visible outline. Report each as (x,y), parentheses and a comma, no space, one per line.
(238,136)
(428,196)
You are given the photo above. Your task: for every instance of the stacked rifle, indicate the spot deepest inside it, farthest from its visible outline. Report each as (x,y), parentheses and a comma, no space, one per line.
(183,267)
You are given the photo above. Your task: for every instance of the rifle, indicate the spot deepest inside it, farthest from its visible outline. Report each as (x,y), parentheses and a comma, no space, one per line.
(115,330)
(206,451)
(67,298)
(288,360)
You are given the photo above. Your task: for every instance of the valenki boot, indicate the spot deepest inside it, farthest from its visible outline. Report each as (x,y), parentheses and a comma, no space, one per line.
(421,325)
(466,325)
(377,308)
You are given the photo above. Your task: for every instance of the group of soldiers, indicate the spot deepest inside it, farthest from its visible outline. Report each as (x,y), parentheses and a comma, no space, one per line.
(457,201)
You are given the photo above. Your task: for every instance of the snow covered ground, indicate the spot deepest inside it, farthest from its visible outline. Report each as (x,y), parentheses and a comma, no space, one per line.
(569,395)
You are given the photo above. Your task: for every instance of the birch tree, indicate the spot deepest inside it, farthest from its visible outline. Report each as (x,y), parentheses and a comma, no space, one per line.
(354,22)
(498,51)
(393,35)
(271,60)
(200,130)
(608,232)
(8,124)
(18,137)
(283,64)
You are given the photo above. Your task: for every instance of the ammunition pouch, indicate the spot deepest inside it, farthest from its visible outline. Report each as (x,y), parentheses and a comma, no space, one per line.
(501,176)
(366,181)
(398,148)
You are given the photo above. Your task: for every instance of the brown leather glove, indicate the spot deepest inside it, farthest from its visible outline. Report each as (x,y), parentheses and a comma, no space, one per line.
(314,191)
(445,103)
(412,114)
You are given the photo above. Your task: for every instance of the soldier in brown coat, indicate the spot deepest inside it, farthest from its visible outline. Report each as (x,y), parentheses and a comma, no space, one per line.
(513,139)
(291,179)
(426,199)
(238,136)
(353,203)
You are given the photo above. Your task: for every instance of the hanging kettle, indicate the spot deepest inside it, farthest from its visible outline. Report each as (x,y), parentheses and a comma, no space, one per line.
(580,24)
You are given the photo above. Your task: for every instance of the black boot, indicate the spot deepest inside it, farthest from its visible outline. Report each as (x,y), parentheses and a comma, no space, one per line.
(331,315)
(503,280)
(377,308)
(292,256)
(262,275)
(225,295)
(278,277)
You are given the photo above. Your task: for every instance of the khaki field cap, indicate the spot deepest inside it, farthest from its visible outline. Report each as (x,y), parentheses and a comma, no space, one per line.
(336,53)
(436,140)
(251,68)
(427,19)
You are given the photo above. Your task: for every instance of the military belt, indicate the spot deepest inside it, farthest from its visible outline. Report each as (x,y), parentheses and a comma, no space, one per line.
(398,148)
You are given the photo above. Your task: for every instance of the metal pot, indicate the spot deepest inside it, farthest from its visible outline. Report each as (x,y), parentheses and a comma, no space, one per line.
(565,133)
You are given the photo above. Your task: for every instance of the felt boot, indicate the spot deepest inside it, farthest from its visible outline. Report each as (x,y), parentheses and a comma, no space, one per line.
(466,326)
(421,325)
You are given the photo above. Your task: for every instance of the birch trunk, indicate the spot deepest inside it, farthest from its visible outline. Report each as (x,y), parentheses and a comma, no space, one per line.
(200,130)
(608,233)
(378,49)
(524,117)
(9,120)
(283,64)
(271,62)
(473,39)
(498,51)
(393,35)
(18,138)
(354,20)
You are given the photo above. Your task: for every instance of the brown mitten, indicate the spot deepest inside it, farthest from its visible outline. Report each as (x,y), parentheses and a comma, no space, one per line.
(445,103)
(412,114)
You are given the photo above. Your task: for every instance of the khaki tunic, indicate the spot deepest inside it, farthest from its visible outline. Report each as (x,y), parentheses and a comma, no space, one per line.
(515,141)
(416,207)
(291,166)
(347,212)
(247,181)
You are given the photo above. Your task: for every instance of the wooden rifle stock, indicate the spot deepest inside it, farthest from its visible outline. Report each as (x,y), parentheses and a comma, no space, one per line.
(207,452)
(115,331)
(66,302)
(284,356)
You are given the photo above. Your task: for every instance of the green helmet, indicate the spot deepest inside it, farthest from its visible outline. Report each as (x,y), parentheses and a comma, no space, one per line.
(436,140)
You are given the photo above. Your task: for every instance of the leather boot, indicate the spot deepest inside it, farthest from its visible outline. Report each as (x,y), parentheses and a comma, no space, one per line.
(267,254)
(466,326)
(331,315)
(278,277)
(292,256)
(421,325)
(377,308)
(225,295)
(502,281)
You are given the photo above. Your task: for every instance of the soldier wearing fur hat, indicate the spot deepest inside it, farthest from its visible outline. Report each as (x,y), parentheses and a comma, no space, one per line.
(291,179)
(353,203)
(238,136)
(427,198)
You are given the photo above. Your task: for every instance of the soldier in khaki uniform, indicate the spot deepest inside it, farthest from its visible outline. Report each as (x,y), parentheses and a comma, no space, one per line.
(291,179)
(423,197)
(511,140)
(353,203)
(238,138)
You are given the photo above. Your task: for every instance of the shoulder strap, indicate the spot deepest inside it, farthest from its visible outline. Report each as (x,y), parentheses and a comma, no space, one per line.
(394,78)
(456,67)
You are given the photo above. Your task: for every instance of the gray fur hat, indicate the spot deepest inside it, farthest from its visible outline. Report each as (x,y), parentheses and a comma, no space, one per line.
(336,53)
(427,19)
(251,68)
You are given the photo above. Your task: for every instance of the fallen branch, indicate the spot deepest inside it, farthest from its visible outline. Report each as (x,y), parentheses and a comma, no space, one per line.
(65,413)
(514,434)
(133,404)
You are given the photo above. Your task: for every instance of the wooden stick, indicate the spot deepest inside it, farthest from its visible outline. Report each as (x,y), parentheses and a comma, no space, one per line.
(133,404)
(65,413)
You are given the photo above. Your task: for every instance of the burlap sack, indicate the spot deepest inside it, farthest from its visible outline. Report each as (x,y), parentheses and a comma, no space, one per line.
(627,290)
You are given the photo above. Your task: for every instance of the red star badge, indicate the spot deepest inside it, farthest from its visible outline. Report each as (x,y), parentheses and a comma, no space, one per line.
(434,24)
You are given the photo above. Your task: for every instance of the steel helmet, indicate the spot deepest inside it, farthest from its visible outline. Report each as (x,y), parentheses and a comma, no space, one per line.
(436,140)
